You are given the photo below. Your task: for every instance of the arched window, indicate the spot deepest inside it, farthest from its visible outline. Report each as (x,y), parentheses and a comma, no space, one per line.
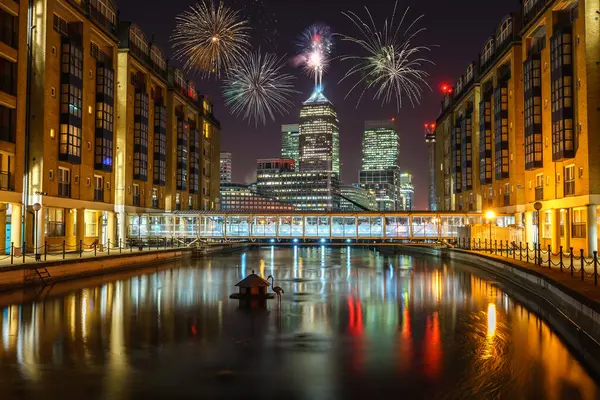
(469,74)
(106,8)
(459,85)
(138,39)
(158,58)
(504,31)
(488,51)
(179,79)
(528,5)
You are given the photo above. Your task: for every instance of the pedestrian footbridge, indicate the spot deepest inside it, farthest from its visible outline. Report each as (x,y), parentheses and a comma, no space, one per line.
(207,226)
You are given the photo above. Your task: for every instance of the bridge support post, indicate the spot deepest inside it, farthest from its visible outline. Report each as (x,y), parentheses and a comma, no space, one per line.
(410,227)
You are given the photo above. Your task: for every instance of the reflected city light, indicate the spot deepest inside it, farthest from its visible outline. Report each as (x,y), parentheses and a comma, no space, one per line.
(491,320)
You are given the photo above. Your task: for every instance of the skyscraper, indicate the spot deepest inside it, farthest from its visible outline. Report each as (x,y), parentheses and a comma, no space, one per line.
(225,164)
(290,142)
(407,191)
(430,141)
(380,171)
(319,135)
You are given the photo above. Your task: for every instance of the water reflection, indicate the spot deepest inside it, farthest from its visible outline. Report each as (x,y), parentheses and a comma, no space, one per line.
(352,321)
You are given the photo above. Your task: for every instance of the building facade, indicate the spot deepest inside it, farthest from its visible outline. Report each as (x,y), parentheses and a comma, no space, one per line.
(237,197)
(379,171)
(290,142)
(309,191)
(407,192)
(319,135)
(356,198)
(533,124)
(225,167)
(95,151)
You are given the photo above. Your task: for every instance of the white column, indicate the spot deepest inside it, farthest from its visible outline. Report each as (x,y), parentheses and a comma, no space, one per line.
(555,230)
(15,226)
(592,230)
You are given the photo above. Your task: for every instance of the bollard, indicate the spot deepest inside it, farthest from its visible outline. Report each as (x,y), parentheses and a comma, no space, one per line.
(23,250)
(582,264)
(501,248)
(561,259)
(80,248)
(120,248)
(520,251)
(479,244)
(596,268)
(45,249)
(485,244)
(95,247)
(63,249)
(527,251)
(12,252)
(549,257)
(572,267)
(108,247)
(514,250)
(495,246)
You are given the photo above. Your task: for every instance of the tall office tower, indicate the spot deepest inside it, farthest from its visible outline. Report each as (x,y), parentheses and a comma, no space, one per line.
(430,141)
(225,164)
(319,135)
(290,142)
(380,172)
(407,191)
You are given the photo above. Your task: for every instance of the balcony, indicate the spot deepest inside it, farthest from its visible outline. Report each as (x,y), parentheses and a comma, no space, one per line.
(9,37)
(137,200)
(139,53)
(64,190)
(7,181)
(539,193)
(507,199)
(99,194)
(7,134)
(8,85)
(100,18)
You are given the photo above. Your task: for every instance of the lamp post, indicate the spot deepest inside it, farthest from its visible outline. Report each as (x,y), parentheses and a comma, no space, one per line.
(36,207)
(490,215)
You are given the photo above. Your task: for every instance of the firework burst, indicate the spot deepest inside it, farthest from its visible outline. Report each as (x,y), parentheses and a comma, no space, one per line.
(392,66)
(315,45)
(256,88)
(210,38)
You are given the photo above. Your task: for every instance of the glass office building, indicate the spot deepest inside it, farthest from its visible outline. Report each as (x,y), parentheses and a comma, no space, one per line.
(290,142)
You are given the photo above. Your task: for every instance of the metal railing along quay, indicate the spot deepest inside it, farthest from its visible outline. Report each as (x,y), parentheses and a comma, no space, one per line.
(572,261)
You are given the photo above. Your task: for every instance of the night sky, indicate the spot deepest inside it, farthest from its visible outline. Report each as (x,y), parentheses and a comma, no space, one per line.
(457,28)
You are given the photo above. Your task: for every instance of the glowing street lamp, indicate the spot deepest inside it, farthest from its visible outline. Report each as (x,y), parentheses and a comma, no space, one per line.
(490,215)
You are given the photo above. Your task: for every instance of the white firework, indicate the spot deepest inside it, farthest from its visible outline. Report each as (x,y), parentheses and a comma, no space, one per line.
(392,66)
(210,38)
(256,88)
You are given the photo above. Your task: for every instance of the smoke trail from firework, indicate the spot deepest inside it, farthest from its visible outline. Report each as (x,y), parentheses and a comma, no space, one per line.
(392,66)
(210,38)
(256,88)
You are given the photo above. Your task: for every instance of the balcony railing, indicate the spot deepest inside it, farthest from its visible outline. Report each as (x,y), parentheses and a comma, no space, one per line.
(64,189)
(101,18)
(139,53)
(539,193)
(99,194)
(55,229)
(507,199)
(7,181)
(8,85)
(137,200)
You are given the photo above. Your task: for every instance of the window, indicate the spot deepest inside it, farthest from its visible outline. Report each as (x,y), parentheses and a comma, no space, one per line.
(160,145)
(8,124)
(501,161)
(561,77)
(155,198)
(578,226)
(547,231)
(485,140)
(71,102)
(64,182)
(456,156)
(8,76)
(136,195)
(182,154)
(158,59)
(140,136)
(194,160)
(504,32)
(60,25)
(532,78)
(179,80)
(206,128)
(469,74)
(103,8)
(91,224)
(98,188)
(569,181)
(487,53)
(539,187)
(467,151)
(55,222)
(138,40)
(104,118)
